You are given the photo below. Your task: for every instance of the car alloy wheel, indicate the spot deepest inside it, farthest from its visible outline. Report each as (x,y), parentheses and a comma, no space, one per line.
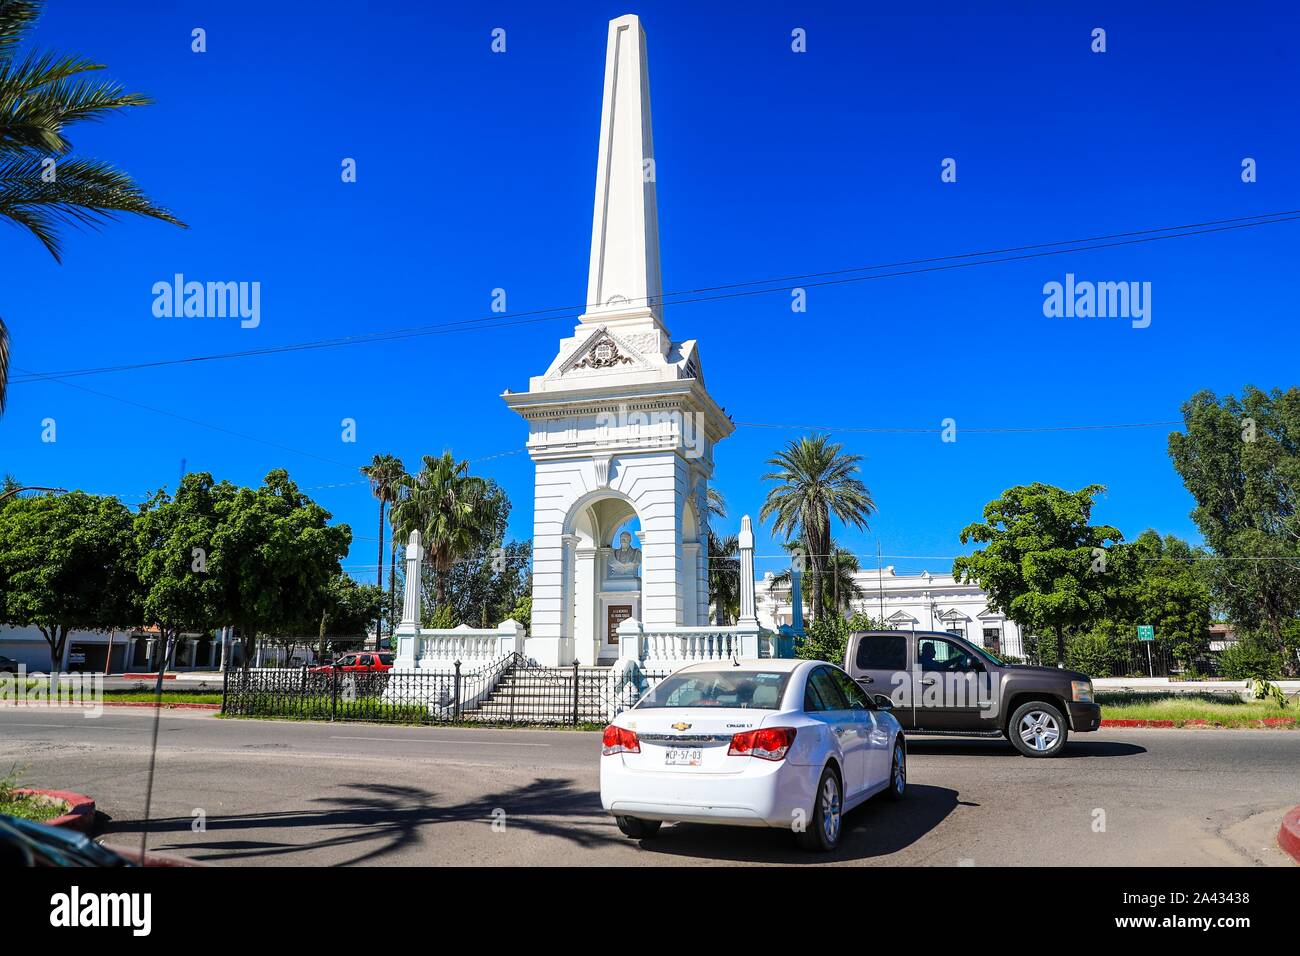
(831,808)
(1039,730)
(898,777)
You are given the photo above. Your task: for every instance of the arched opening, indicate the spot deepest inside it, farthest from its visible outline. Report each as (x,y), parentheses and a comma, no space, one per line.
(606,569)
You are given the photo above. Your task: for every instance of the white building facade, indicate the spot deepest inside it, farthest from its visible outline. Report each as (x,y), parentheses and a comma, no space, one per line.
(907,602)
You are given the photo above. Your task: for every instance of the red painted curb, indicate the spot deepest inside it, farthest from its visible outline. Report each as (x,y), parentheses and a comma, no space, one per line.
(1169,724)
(153,676)
(81,809)
(149,703)
(1288,837)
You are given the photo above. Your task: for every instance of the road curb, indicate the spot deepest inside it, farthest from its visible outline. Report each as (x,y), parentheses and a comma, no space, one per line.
(166,704)
(81,809)
(1265,723)
(1288,835)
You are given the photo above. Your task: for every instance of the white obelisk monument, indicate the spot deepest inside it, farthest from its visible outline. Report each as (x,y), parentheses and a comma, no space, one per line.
(621,427)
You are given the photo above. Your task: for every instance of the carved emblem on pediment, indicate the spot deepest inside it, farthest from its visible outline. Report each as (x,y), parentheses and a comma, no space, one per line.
(604,354)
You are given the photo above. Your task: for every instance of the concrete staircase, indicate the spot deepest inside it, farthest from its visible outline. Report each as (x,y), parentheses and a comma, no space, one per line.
(524,696)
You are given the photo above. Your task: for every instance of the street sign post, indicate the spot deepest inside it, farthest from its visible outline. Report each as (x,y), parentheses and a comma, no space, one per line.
(1147,633)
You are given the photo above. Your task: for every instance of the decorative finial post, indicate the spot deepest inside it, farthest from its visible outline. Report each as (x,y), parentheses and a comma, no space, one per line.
(408,632)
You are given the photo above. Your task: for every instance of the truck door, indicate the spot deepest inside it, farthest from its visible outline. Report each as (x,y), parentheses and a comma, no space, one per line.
(948,686)
(881,665)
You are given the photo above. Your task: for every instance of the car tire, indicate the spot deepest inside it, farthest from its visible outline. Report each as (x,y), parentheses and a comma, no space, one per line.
(638,829)
(1038,729)
(897,788)
(826,822)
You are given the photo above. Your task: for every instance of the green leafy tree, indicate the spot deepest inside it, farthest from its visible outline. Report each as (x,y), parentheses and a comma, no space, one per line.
(1044,565)
(1161,582)
(175,540)
(815,480)
(42,186)
(67,562)
(347,609)
(275,557)
(1240,460)
(827,637)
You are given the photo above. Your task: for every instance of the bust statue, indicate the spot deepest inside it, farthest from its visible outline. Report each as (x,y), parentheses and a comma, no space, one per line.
(625,560)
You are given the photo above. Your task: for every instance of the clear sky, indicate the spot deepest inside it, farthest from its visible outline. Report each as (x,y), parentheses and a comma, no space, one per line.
(475,171)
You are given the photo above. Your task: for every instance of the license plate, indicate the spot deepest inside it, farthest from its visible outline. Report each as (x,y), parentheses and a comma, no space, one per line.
(683,757)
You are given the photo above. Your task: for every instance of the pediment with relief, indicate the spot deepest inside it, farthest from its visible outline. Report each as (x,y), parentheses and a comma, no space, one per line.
(603,351)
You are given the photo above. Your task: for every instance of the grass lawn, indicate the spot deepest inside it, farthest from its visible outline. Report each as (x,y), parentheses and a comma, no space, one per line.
(29,808)
(1224,709)
(168,696)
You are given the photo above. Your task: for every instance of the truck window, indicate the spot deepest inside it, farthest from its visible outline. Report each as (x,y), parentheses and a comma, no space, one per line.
(882,653)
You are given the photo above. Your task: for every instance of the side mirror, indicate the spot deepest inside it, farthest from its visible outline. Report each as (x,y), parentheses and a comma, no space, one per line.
(882,702)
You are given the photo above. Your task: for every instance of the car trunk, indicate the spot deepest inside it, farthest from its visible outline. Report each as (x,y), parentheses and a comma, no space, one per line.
(689,740)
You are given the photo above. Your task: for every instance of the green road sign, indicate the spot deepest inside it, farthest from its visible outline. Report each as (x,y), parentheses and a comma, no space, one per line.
(1146,632)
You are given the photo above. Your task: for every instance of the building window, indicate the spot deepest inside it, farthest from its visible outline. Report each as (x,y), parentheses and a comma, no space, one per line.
(993,639)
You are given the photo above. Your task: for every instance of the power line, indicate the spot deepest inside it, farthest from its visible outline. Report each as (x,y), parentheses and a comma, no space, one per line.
(506,320)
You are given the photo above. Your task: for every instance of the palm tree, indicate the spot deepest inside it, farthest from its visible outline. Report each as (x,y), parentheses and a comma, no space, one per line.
(843,585)
(384,472)
(724,578)
(41,187)
(452,510)
(815,479)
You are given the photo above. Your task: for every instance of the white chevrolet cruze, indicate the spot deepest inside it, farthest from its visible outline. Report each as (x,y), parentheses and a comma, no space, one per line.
(769,743)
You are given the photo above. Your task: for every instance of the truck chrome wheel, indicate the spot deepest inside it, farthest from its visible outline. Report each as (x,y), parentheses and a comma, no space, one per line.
(1039,730)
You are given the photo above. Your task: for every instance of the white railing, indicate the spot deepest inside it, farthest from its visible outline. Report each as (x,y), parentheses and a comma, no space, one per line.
(439,649)
(671,647)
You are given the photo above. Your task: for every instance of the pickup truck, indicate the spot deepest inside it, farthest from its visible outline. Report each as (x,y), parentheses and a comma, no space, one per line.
(940,683)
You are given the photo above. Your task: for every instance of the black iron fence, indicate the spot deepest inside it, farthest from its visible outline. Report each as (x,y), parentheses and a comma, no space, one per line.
(509,691)
(1140,660)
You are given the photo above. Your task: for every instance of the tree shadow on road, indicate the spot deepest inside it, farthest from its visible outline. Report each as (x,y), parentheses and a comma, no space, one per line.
(375,820)
(1001,747)
(876,829)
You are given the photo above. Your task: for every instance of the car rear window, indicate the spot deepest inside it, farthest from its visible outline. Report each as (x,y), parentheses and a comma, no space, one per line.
(882,653)
(385,659)
(759,690)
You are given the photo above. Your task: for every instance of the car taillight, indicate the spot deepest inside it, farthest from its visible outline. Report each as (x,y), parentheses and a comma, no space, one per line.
(769,743)
(619,740)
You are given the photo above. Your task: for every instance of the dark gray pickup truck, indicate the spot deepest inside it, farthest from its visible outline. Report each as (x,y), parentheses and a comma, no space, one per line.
(940,683)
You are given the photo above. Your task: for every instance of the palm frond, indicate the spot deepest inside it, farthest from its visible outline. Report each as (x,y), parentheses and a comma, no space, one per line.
(46,92)
(4,364)
(85,192)
(16,18)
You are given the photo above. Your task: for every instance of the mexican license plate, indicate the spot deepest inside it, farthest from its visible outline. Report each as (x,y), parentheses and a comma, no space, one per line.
(683,757)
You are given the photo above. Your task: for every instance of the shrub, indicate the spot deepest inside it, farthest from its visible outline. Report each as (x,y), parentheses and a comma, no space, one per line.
(1248,660)
(1097,655)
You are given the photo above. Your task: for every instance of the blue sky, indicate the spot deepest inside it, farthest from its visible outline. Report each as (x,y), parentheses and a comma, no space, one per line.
(476,171)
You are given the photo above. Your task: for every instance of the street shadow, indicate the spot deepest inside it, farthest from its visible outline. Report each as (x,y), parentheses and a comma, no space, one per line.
(878,828)
(1001,747)
(375,820)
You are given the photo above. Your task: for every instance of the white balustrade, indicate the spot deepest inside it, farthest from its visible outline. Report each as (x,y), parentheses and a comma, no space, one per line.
(672,647)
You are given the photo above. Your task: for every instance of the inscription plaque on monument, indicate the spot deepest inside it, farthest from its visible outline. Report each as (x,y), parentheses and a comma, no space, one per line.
(616,615)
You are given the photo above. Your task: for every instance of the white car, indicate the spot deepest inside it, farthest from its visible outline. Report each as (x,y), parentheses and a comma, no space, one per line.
(768,743)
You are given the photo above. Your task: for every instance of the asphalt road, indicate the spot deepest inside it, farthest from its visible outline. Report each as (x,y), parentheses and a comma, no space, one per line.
(280,792)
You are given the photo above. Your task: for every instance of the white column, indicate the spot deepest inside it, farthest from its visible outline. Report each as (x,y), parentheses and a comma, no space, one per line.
(747,625)
(587,629)
(747,598)
(690,583)
(408,631)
